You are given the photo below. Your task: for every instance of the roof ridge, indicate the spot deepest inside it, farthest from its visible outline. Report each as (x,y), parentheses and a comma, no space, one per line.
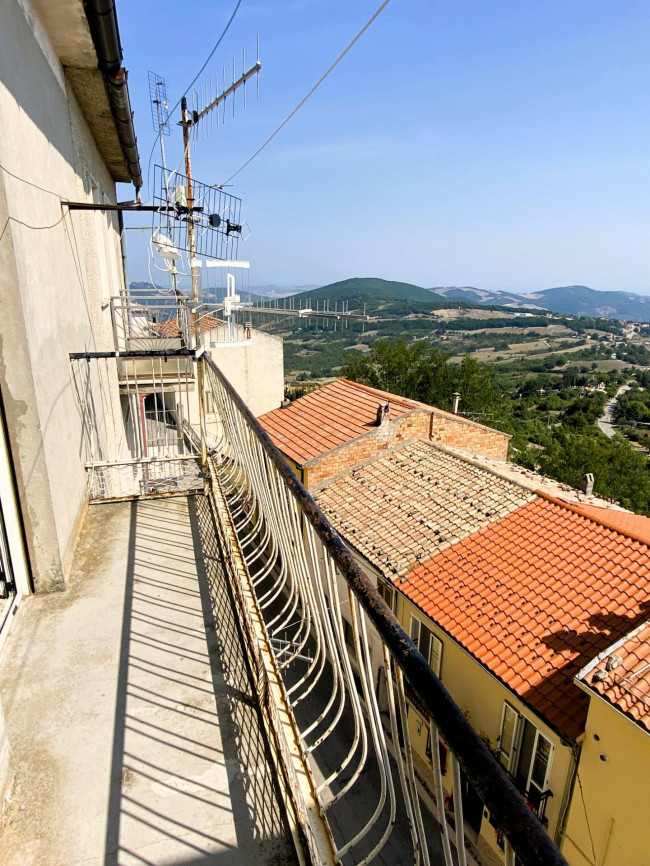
(419,404)
(570,506)
(611,648)
(459,454)
(393,398)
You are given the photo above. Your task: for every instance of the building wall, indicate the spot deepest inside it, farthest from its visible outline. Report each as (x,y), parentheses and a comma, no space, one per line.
(418,424)
(414,425)
(469,437)
(609,809)
(255,368)
(56,270)
(481,697)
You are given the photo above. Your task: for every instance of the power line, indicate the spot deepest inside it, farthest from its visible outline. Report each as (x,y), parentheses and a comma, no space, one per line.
(314,88)
(208,59)
(29,182)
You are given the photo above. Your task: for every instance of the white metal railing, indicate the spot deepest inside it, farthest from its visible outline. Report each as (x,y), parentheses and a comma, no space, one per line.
(318,630)
(306,587)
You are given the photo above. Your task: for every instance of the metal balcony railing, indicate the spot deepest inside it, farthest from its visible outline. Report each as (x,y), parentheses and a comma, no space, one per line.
(299,587)
(335,671)
(157,321)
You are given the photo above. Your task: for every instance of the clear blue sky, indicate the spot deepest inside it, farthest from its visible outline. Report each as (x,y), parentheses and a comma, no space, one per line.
(493,143)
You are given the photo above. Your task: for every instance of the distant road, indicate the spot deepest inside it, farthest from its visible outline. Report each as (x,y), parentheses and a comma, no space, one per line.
(605,422)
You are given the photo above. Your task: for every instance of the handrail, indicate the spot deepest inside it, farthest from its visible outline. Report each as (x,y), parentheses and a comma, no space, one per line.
(524,832)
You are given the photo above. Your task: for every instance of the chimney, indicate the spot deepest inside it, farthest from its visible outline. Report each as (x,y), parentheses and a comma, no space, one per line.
(383,411)
(587,484)
(454,405)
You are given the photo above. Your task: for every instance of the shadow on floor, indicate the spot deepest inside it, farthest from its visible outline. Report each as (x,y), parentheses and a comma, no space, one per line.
(191,778)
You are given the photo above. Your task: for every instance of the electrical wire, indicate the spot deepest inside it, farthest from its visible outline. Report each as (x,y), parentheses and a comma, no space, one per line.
(314,88)
(209,58)
(584,806)
(28,226)
(29,183)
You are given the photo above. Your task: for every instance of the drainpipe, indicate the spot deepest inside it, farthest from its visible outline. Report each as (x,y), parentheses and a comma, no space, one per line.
(102,20)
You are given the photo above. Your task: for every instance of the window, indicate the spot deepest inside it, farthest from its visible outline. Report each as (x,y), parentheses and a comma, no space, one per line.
(387,593)
(508,739)
(528,755)
(427,643)
(442,752)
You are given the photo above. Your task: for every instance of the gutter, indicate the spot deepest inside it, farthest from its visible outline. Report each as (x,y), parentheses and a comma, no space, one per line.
(102,20)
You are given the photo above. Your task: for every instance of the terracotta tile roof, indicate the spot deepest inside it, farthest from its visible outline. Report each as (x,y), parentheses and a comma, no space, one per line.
(533,480)
(328,417)
(622,675)
(413,501)
(534,597)
(333,415)
(170,328)
(635,525)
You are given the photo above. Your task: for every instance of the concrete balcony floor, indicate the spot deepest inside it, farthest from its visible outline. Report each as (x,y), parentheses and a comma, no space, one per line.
(132,721)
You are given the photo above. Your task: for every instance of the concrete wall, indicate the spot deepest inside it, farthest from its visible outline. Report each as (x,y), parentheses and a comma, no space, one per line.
(610,810)
(56,270)
(254,367)
(6,771)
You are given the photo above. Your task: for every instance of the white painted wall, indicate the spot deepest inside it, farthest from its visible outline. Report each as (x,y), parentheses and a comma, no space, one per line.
(255,368)
(57,271)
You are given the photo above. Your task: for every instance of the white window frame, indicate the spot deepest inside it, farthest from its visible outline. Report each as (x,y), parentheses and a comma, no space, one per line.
(511,762)
(434,656)
(549,763)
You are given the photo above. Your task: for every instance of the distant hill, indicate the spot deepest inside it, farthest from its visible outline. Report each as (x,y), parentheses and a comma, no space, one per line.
(471,295)
(275,291)
(573,300)
(370,290)
(583,301)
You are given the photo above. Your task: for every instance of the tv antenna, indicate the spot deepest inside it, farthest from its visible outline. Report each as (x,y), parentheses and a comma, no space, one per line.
(189,123)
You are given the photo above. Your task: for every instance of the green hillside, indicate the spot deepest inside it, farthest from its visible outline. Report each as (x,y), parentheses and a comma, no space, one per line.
(368,290)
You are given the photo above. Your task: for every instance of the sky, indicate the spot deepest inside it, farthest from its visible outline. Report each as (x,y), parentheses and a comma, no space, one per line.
(503,144)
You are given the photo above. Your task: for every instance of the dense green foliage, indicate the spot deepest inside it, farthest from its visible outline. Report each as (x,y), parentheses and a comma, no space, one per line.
(423,373)
(551,416)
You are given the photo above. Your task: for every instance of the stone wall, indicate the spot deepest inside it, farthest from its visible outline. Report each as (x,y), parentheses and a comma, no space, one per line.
(418,424)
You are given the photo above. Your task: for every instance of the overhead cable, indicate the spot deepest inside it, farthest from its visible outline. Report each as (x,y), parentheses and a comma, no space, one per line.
(29,182)
(305,98)
(208,59)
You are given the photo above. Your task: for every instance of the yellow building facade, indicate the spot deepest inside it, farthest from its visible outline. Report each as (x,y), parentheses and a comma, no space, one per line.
(483,698)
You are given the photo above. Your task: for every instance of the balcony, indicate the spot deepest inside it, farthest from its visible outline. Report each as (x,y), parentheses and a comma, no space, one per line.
(131,710)
(195,695)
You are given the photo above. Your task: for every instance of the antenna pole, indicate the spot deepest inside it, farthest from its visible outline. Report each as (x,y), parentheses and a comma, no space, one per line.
(198,337)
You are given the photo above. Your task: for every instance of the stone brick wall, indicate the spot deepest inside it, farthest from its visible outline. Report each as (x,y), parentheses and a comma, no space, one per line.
(469,437)
(418,424)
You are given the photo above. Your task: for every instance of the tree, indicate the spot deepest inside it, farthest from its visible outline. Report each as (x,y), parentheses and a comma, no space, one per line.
(423,373)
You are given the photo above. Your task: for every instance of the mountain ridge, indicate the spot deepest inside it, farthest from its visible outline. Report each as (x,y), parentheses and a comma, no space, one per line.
(573,300)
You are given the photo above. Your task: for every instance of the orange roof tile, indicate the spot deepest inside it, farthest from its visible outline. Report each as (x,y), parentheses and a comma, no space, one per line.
(333,415)
(328,417)
(412,501)
(635,525)
(170,328)
(534,596)
(621,675)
